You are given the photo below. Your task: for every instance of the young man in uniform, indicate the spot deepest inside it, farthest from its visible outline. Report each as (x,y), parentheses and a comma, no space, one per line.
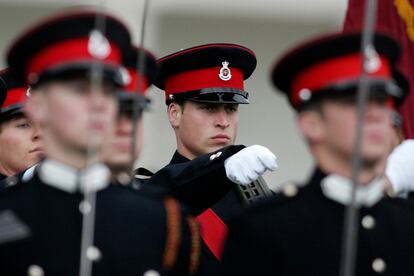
(204,86)
(300,232)
(117,149)
(74,70)
(20,139)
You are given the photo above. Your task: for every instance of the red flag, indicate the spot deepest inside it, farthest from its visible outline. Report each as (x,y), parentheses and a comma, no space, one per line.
(395,17)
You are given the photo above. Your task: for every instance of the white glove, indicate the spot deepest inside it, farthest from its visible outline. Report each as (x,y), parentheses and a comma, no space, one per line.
(400,167)
(248,164)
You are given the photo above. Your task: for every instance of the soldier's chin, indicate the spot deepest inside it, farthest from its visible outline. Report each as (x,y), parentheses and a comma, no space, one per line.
(215,148)
(119,164)
(121,161)
(221,142)
(37,155)
(371,160)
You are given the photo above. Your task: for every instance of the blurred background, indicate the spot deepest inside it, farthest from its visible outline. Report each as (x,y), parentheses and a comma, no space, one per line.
(268,27)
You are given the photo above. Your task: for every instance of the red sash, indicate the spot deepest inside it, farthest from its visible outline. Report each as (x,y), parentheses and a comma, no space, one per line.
(213,231)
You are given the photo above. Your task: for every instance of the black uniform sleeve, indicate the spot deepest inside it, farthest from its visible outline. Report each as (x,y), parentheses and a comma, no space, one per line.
(198,183)
(246,251)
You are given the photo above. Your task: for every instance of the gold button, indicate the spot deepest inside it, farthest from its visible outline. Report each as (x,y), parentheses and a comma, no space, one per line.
(368,222)
(378,265)
(35,270)
(151,272)
(290,190)
(85,207)
(93,253)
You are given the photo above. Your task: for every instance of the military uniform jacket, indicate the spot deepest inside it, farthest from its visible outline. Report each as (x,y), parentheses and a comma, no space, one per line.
(302,235)
(199,183)
(8,181)
(133,233)
(212,191)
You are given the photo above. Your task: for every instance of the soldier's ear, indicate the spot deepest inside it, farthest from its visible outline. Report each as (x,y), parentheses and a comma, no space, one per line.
(174,114)
(311,126)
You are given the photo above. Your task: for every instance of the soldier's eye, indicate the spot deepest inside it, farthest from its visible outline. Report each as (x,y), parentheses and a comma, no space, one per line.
(232,108)
(23,125)
(208,107)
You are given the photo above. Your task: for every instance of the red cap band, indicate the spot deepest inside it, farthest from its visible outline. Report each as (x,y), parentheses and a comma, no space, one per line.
(332,71)
(202,78)
(135,80)
(15,96)
(68,51)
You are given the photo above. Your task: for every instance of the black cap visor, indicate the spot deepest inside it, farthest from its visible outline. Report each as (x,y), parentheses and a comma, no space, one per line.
(127,101)
(108,72)
(219,95)
(348,90)
(11,111)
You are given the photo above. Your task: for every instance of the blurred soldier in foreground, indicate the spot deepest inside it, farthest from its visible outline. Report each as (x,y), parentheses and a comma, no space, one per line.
(300,232)
(74,70)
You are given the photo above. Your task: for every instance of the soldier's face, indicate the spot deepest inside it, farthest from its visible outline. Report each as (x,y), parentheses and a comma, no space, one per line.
(203,127)
(20,145)
(117,147)
(339,121)
(73,114)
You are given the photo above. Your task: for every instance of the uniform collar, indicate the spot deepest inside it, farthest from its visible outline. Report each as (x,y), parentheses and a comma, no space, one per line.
(28,173)
(178,158)
(71,180)
(338,188)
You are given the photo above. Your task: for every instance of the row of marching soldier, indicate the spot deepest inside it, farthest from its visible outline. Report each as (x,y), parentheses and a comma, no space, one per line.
(71,203)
